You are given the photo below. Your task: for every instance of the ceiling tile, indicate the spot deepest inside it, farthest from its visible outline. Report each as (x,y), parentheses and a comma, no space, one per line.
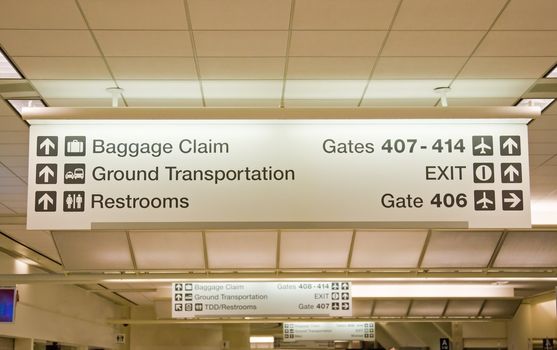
(391,308)
(528,15)
(324,89)
(14,137)
(245,103)
(40,241)
(528,249)
(40,14)
(399,102)
(517,43)
(329,67)
(431,43)
(361,308)
(540,136)
(6,210)
(164,102)
(236,249)
(480,101)
(387,249)
(240,14)
(427,308)
(329,249)
(506,67)
(14,124)
(447,15)
(336,43)
(6,110)
(485,88)
(14,149)
(242,89)
(241,43)
(462,308)
(48,43)
(171,89)
(418,67)
(460,249)
(63,67)
(152,67)
(404,89)
(93,250)
(241,68)
(73,88)
(80,102)
(137,298)
(167,250)
(345,14)
(144,43)
(500,308)
(135,14)
(323,103)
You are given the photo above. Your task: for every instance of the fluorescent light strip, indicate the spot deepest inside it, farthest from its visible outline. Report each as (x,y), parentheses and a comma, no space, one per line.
(427,290)
(543,103)
(552,73)
(7,69)
(20,104)
(261,340)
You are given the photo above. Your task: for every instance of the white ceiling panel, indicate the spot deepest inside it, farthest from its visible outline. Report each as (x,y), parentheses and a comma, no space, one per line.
(479,101)
(93,250)
(482,88)
(506,67)
(427,308)
(431,43)
(14,149)
(519,43)
(354,68)
(135,14)
(167,250)
(460,249)
(399,102)
(336,43)
(314,249)
(137,298)
(144,43)
(361,308)
(418,67)
(48,43)
(6,110)
(242,89)
(171,89)
(63,67)
(387,249)
(392,308)
(167,102)
(74,88)
(152,67)
(322,103)
(241,68)
(41,241)
(6,210)
(462,308)
(528,249)
(345,14)
(241,43)
(528,15)
(240,14)
(81,102)
(324,89)
(238,249)
(40,14)
(500,308)
(404,89)
(14,137)
(447,15)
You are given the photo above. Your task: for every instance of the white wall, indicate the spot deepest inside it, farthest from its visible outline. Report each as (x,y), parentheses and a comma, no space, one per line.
(62,313)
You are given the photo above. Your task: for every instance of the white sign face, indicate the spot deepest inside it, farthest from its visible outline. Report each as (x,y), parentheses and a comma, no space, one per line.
(306,344)
(261,299)
(328,331)
(279,173)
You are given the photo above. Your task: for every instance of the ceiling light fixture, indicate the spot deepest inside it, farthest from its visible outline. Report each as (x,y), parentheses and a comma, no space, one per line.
(543,103)
(19,104)
(7,68)
(552,72)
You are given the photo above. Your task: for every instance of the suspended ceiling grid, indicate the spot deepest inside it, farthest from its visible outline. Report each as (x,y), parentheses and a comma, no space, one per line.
(338,53)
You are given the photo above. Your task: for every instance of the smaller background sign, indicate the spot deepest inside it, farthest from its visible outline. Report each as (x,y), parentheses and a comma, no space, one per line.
(328,331)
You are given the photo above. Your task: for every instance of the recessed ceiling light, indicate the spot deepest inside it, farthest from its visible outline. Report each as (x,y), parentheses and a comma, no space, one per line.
(552,73)
(7,69)
(543,103)
(19,104)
